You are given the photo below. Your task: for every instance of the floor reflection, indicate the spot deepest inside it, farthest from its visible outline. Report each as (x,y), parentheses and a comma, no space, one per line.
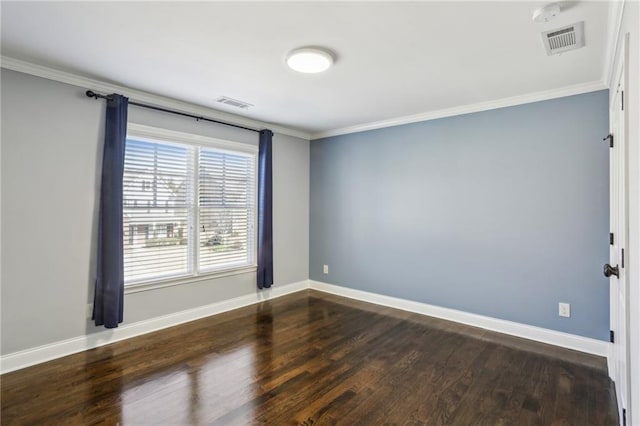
(212,380)
(264,356)
(304,359)
(103,399)
(196,393)
(163,397)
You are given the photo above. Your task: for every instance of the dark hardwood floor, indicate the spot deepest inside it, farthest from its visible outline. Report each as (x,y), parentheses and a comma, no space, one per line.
(311,358)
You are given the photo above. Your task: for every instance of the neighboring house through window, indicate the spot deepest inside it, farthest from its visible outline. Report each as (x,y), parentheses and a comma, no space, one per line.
(188,206)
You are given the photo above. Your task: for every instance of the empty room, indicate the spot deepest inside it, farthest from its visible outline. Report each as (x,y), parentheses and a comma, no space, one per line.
(314,212)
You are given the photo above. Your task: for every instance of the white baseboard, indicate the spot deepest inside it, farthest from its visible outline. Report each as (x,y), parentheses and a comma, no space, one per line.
(610,365)
(37,355)
(552,337)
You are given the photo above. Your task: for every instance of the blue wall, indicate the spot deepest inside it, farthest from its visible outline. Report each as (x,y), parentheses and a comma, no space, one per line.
(501,213)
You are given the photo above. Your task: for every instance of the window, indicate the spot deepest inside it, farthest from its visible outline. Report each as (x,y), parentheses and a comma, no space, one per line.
(188,205)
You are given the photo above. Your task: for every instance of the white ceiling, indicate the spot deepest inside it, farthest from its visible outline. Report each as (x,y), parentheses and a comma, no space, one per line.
(393,59)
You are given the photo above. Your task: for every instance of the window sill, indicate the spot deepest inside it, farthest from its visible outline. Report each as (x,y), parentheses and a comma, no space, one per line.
(137,288)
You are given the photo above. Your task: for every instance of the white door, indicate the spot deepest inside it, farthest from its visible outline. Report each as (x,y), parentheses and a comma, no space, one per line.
(615,269)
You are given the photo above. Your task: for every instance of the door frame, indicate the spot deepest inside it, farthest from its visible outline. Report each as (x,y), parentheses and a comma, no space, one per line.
(620,77)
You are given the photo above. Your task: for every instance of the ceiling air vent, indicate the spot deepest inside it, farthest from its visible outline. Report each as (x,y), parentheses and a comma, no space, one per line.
(564,39)
(233,102)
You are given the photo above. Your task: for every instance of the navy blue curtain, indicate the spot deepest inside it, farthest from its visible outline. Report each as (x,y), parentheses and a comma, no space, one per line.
(265,212)
(109,291)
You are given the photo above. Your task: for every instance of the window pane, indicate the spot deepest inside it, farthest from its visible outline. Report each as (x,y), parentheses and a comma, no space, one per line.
(156,210)
(226,209)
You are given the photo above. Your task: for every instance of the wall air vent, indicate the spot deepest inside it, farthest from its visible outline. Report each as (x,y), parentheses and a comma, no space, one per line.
(233,102)
(564,39)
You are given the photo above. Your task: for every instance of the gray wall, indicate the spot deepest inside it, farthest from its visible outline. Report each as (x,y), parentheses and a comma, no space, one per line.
(501,213)
(51,138)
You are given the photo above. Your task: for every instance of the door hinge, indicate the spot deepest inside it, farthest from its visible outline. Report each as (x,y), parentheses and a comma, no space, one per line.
(611,238)
(610,137)
(622,260)
(612,336)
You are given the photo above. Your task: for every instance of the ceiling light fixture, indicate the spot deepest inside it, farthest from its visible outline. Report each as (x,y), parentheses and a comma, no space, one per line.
(310,59)
(546,13)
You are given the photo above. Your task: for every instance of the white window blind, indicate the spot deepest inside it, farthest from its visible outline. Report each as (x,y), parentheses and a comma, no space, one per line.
(226,206)
(187,210)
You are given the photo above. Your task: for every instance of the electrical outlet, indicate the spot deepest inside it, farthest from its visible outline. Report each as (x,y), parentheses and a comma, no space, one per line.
(564,309)
(325,269)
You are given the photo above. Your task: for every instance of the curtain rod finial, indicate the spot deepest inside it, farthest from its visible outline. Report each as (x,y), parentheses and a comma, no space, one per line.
(91,94)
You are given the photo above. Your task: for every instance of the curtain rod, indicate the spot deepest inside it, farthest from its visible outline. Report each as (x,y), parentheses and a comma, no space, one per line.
(92,94)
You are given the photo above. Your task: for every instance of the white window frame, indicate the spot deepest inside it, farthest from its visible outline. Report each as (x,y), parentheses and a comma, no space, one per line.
(156,134)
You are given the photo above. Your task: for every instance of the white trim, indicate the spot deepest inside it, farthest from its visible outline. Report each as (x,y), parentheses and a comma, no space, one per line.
(576,89)
(37,355)
(166,135)
(139,95)
(610,370)
(194,141)
(552,337)
(616,9)
(40,354)
(189,279)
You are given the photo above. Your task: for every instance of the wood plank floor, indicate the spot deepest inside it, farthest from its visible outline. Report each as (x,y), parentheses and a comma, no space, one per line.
(310,359)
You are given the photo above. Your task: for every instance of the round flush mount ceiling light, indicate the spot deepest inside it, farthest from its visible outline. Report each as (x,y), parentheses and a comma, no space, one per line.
(546,13)
(310,59)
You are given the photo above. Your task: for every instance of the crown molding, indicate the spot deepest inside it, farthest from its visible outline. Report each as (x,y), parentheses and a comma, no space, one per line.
(49,73)
(576,89)
(616,9)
